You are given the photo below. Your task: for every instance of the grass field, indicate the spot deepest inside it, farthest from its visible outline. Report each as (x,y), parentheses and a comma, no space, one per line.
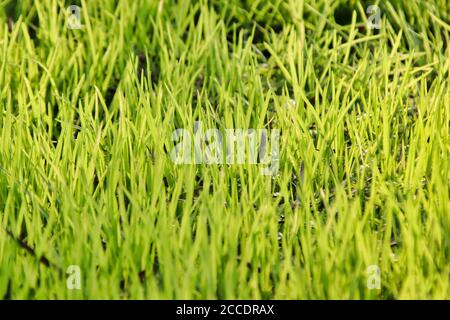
(86,134)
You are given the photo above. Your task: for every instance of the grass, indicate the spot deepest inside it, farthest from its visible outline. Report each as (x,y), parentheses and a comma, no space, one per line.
(86,176)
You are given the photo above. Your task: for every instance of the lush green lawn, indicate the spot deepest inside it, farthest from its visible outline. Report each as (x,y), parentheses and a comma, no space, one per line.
(87,179)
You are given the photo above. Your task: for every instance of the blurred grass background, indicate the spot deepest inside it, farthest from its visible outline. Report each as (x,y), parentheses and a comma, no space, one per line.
(85,138)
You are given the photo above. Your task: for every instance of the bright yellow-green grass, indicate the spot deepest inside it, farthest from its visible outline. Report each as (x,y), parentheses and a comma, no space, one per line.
(87,179)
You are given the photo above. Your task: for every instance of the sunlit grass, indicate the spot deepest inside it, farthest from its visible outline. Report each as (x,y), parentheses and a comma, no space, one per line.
(86,124)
